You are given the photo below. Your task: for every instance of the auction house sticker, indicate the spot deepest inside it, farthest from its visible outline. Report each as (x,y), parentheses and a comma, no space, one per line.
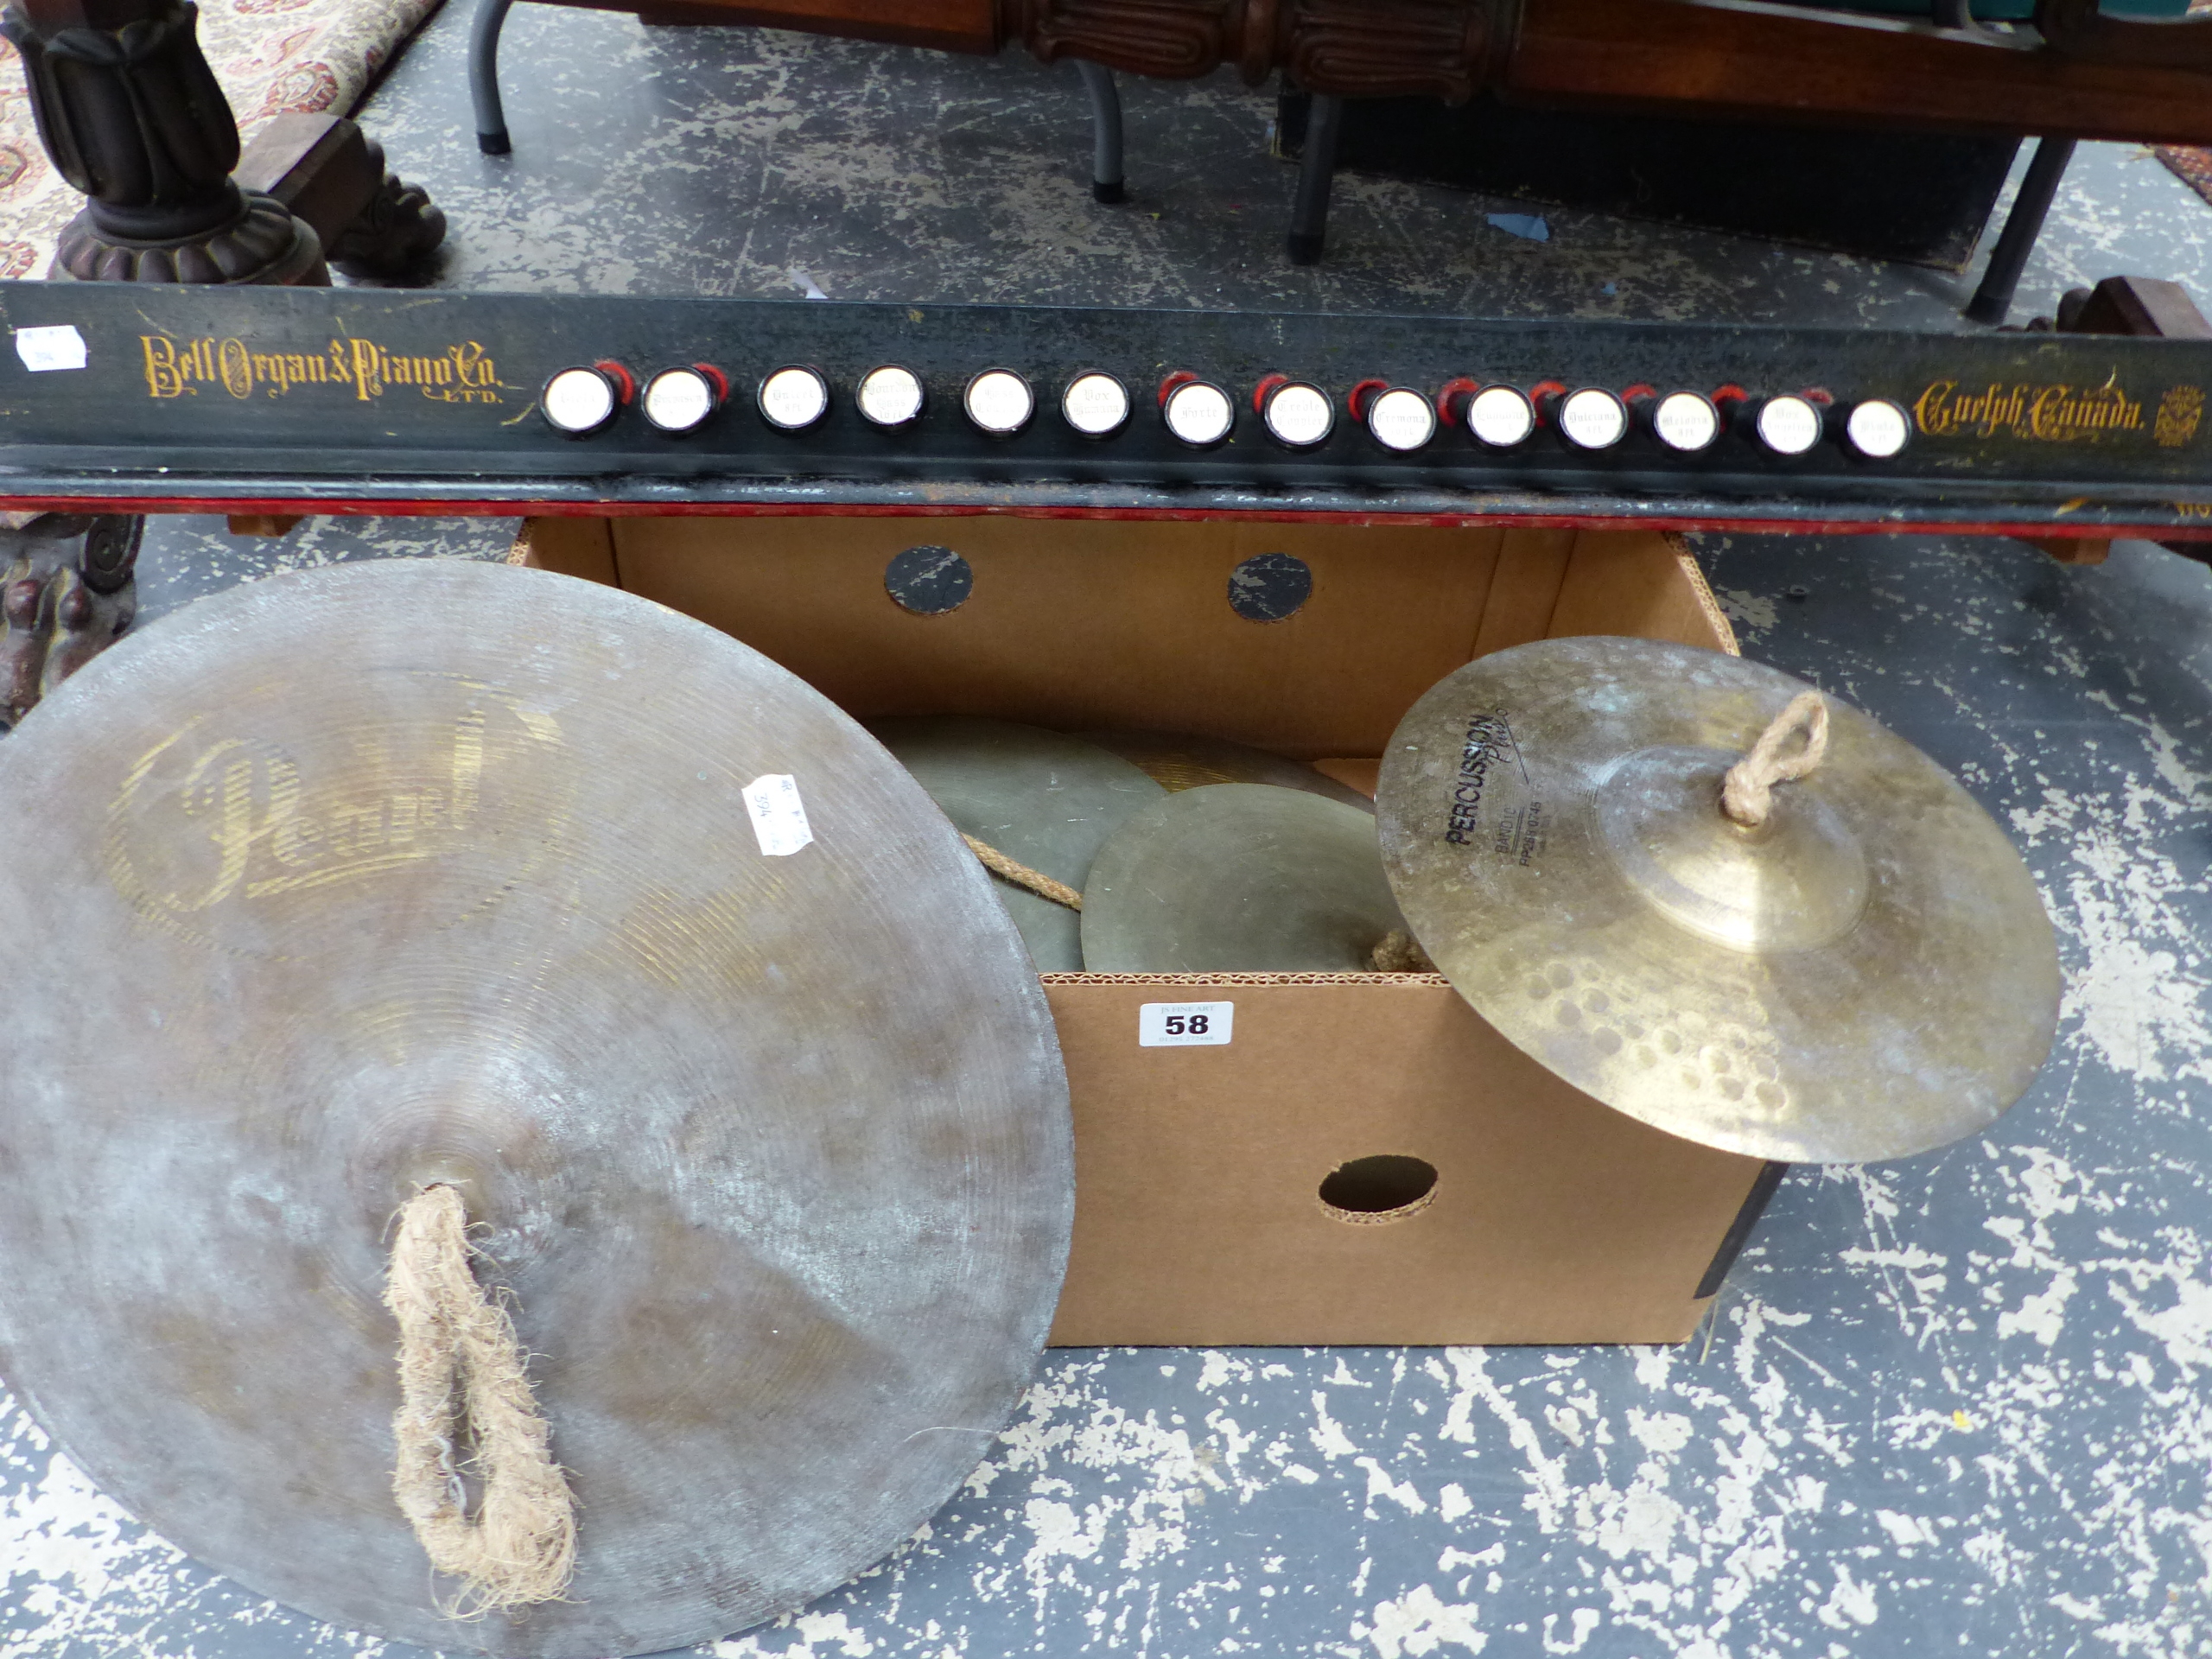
(1181,1024)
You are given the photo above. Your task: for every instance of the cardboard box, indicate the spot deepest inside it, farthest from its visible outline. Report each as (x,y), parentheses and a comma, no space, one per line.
(1199,1217)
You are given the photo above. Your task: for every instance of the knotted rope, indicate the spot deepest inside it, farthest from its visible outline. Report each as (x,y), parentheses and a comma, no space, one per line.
(1746,793)
(1399,952)
(459,1362)
(1022,876)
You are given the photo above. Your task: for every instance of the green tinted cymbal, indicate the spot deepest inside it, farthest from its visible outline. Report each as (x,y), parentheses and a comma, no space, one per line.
(1179,760)
(1239,877)
(1042,798)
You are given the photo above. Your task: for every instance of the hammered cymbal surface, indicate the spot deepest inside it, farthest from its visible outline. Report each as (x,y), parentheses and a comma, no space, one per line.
(1239,877)
(345,882)
(1179,761)
(1869,974)
(1042,798)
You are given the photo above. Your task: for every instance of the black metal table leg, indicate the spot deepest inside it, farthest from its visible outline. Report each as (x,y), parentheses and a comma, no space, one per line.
(483,76)
(1993,299)
(1105,129)
(1309,212)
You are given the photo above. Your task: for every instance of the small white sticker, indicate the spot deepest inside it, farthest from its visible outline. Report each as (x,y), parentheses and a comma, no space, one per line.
(60,347)
(778,819)
(1179,1025)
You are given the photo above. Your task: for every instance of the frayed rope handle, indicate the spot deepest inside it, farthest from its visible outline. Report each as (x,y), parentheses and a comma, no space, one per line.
(1746,793)
(1021,875)
(460,1361)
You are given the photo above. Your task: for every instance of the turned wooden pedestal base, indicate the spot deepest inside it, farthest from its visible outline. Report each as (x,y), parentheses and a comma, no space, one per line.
(131,116)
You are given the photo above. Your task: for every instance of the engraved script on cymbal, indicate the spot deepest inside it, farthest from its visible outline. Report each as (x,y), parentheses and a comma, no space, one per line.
(202,820)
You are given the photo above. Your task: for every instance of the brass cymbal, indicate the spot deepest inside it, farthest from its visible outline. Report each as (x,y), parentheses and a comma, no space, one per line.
(1177,761)
(1044,798)
(1238,878)
(1867,974)
(344,883)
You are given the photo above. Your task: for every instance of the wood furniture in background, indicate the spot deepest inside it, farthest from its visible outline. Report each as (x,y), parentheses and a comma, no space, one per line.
(2077,74)
(2082,76)
(131,116)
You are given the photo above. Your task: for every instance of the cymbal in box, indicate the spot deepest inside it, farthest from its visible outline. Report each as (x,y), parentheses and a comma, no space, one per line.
(382,880)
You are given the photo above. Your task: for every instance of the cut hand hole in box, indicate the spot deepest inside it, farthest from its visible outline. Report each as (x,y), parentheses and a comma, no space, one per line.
(1386,1187)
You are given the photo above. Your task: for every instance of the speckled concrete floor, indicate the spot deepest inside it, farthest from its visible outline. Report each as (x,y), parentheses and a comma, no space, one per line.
(1955,1404)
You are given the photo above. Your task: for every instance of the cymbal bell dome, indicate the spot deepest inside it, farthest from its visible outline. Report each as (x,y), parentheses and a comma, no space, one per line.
(1868,973)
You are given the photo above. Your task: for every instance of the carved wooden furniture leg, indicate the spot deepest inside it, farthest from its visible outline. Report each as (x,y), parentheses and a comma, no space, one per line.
(331,175)
(130,115)
(66,593)
(1993,299)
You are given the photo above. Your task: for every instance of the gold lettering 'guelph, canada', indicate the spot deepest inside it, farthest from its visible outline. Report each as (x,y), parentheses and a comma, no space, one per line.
(459,373)
(2055,414)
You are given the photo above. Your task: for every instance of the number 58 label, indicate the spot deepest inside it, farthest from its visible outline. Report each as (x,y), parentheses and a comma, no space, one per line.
(1179,1025)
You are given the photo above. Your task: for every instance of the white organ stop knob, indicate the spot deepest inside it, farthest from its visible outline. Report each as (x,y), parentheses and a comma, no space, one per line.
(1878,430)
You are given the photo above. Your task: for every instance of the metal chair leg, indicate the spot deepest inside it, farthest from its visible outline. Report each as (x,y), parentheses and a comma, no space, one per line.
(1105,132)
(483,76)
(1317,166)
(1993,299)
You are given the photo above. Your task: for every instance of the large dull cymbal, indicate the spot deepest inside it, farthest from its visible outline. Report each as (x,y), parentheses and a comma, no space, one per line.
(349,882)
(1238,878)
(1179,760)
(1042,798)
(1868,973)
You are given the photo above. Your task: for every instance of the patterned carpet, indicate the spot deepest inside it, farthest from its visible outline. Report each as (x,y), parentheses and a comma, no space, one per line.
(2193,166)
(271,56)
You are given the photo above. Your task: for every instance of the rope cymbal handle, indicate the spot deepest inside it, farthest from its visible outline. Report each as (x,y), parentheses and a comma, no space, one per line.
(1399,952)
(1746,793)
(1021,875)
(461,1367)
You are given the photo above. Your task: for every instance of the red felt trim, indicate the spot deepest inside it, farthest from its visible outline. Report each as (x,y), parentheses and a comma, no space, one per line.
(1542,395)
(625,384)
(293,505)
